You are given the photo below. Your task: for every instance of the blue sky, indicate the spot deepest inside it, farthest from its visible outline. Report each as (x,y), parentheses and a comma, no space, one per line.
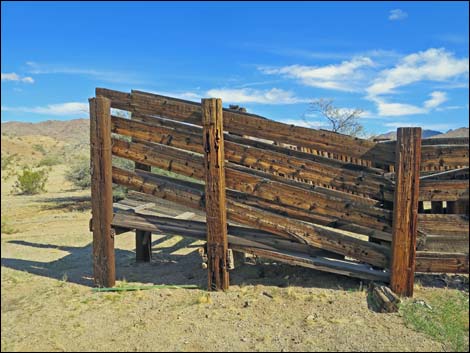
(403,63)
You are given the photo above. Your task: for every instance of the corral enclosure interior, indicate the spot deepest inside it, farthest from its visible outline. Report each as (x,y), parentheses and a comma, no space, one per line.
(313,198)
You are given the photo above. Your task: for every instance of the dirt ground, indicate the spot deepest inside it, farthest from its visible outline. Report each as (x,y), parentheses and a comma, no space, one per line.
(47,302)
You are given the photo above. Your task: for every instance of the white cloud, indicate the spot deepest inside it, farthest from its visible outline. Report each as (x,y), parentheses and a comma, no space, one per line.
(61,109)
(432,64)
(397,14)
(344,76)
(15,77)
(315,124)
(397,109)
(248,95)
(437,98)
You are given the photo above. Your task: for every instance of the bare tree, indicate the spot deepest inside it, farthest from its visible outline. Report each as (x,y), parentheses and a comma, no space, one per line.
(341,120)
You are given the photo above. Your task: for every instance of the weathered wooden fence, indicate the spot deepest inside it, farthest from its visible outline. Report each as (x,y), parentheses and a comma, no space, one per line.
(307,197)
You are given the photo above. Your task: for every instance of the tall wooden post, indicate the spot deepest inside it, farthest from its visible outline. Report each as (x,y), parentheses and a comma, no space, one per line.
(102,192)
(217,243)
(405,210)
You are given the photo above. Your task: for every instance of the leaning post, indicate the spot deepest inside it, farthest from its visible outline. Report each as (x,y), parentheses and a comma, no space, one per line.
(102,192)
(405,210)
(217,243)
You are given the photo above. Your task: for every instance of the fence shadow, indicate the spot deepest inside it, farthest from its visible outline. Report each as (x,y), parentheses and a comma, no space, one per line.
(178,263)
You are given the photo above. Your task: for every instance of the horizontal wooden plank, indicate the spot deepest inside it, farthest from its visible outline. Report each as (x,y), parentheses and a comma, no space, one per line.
(447,243)
(445,141)
(460,173)
(345,268)
(443,224)
(341,242)
(345,178)
(443,190)
(239,239)
(119,100)
(448,156)
(253,125)
(251,182)
(438,262)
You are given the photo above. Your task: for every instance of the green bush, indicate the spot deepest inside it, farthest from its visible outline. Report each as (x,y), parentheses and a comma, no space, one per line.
(8,160)
(39,148)
(79,173)
(6,228)
(49,161)
(31,182)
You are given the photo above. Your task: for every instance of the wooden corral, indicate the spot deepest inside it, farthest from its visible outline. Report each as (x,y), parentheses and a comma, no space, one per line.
(313,198)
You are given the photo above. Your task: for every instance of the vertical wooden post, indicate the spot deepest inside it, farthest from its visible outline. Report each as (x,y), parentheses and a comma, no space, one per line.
(405,210)
(217,243)
(143,239)
(102,191)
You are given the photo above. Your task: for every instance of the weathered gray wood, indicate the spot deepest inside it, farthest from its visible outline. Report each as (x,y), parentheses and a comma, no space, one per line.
(382,299)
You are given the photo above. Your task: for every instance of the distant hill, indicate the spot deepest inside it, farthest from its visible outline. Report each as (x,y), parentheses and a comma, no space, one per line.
(392,135)
(76,131)
(460,132)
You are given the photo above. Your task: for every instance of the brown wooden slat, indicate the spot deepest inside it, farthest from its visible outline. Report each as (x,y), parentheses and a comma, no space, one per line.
(442,262)
(342,178)
(246,124)
(239,239)
(190,164)
(318,236)
(443,190)
(443,224)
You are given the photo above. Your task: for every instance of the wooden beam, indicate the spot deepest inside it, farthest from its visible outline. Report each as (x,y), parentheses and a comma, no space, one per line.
(439,262)
(214,175)
(189,194)
(266,186)
(405,210)
(254,154)
(258,243)
(102,192)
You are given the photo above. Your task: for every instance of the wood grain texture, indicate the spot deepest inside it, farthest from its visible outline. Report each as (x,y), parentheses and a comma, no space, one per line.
(278,190)
(191,195)
(439,262)
(214,177)
(102,192)
(251,241)
(405,210)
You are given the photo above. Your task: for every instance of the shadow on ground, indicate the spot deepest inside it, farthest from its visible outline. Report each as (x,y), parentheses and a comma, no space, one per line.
(169,267)
(69,203)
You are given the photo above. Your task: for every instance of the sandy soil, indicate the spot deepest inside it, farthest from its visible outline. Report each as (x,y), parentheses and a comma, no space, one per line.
(47,302)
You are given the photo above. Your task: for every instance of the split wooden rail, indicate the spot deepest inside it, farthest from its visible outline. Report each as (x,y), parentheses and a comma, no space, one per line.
(307,197)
